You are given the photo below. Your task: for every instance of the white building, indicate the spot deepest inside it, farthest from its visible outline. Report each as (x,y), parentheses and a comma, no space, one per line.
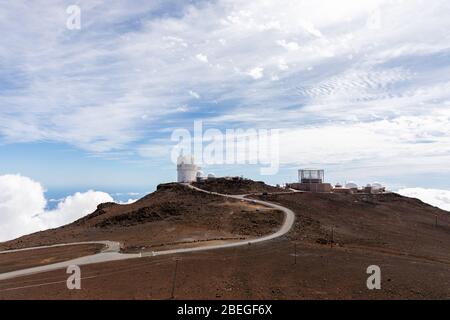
(186,169)
(351,185)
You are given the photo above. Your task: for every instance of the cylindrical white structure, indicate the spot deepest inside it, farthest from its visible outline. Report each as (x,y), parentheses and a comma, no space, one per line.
(186,169)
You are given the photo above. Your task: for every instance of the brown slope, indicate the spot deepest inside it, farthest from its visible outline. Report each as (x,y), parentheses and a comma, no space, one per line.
(269,270)
(173,215)
(385,222)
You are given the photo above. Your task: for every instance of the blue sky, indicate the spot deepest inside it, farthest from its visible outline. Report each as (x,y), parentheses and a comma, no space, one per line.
(359,88)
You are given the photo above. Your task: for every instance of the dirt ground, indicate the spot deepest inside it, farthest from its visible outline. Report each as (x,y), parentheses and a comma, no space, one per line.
(386,223)
(335,238)
(263,271)
(34,258)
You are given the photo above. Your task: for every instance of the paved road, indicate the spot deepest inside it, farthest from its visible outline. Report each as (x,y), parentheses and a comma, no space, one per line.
(111,252)
(110,246)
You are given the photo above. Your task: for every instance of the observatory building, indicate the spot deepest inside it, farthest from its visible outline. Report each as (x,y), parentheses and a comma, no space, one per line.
(311,180)
(308,176)
(187,170)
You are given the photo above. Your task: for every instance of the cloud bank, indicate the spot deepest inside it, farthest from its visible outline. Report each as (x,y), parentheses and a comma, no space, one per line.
(435,197)
(23,203)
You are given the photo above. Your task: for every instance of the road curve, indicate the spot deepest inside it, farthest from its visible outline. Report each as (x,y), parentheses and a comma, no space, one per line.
(112,251)
(287,225)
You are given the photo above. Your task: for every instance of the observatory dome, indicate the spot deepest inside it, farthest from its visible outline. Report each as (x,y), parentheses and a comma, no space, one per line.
(377,185)
(351,185)
(211,175)
(200,174)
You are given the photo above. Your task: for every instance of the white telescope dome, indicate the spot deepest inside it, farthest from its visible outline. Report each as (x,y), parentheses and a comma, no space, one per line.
(377,185)
(351,185)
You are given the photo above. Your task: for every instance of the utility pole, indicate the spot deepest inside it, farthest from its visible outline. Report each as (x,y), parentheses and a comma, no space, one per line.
(295,253)
(174,280)
(332,237)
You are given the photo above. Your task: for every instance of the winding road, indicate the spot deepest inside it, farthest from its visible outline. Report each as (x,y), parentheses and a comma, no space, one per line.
(112,249)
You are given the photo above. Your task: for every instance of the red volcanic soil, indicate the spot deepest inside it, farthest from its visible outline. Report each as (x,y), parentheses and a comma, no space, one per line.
(39,257)
(264,271)
(387,222)
(325,256)
(174,215)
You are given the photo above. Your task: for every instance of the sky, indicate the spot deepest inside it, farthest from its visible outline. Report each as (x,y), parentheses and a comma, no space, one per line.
(358,88)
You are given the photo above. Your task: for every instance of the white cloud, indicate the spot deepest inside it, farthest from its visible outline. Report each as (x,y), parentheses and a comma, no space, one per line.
(145,69)
(282,65)
(309,27)
(202,58)
(194,94)
(21,199)
(74,207)
(129,201)
(183,108)
(435,197)
(23,203)
(256,73)
(291,46)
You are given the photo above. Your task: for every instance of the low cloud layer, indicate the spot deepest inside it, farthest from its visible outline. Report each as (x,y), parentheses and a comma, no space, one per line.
(435,197)
(23,207)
